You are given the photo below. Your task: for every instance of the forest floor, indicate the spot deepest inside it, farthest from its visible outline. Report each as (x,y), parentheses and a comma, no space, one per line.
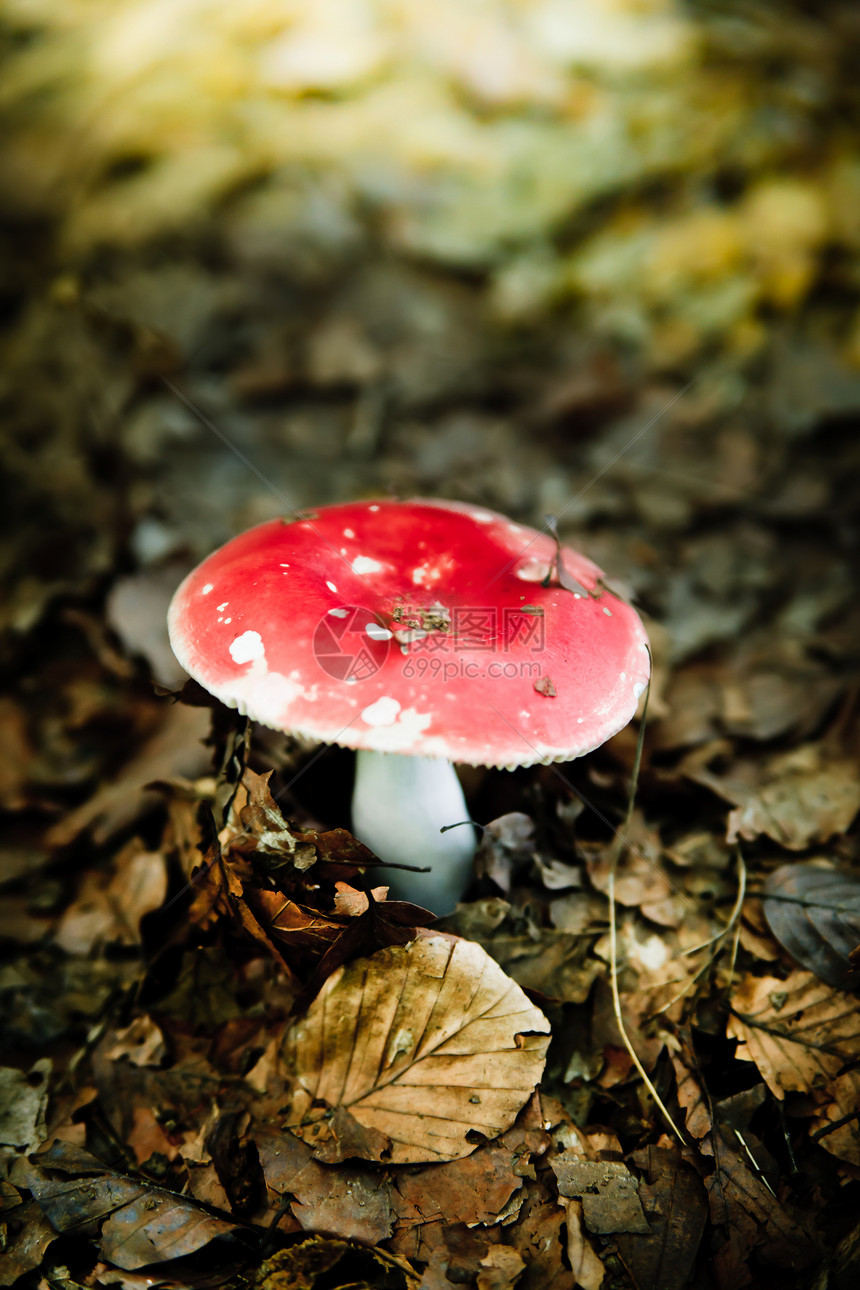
(445,284)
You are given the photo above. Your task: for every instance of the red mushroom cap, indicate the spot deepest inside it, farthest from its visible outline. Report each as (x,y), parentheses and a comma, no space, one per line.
(415,627)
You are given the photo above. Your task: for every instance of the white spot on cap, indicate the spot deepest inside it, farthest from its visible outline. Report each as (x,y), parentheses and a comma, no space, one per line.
(483,517)
(205,590)
(622,676)
(364,564)
(532,571)
(222,606)
(579,720)
(331,586)
(338,613)
(373,508)
(348,533)
(384,712)
(247,647)
(377,633)
(638,688)
(608,612)
(285,566)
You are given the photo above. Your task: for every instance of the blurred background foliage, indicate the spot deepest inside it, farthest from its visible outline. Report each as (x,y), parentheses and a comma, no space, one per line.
(597,257)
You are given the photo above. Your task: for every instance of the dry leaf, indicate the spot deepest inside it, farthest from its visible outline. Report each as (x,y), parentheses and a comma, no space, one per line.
(797,798)
(676,1207)
(843,1142)
(323,1260)
(176,748)
(799,1032)
(26,1238)
(23,1103)
(607,1189)
(752,1216)
(500,1268)
(540,1236)
(586,1266)
(140,1224)
(475,1189)
(109,907)
(814,911)
(688,1090)
(429,1044)
(346,1201)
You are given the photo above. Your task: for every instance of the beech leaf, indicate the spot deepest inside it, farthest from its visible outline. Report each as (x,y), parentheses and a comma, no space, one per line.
(799,1032)
(429,1047)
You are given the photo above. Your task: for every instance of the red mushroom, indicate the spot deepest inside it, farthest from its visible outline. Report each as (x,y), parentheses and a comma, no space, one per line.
(419,633)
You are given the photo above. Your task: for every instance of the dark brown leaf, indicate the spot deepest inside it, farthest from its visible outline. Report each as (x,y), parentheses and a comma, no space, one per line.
(676,1209)
(139,1224)
(814,911)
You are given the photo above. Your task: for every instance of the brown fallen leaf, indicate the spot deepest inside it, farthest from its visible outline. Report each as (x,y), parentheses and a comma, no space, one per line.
(321,1260)
(640,879)
(676,1208)
(796,798)
(430,1044)
(347,1201)
(237,1162)
(752,1216)
(813,911)
(844,1111)
(176,748)
(26,1238)
(23,1103)
(558,963)
(799,1032)
(698,1118)
(539,1236)
(505,844)
(140,1224)
(500,1268)
(475,1189)
(607,1189)
(587,1268)
(109,906)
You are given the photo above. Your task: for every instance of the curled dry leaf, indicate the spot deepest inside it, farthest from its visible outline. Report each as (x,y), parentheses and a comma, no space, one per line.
(424,1047)
(325,1260)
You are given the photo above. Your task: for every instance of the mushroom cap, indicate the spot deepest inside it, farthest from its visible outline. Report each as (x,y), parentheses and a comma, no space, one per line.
(417,627)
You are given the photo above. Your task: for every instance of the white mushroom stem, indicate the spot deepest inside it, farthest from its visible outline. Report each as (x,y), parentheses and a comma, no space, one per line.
(399,804)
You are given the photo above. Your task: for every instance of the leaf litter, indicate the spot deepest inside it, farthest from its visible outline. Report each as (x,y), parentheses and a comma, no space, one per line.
(497,314)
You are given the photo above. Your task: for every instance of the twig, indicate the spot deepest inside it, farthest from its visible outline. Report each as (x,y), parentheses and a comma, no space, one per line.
(613,932)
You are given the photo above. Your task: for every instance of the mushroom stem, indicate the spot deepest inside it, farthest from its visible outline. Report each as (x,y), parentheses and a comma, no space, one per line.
(399,804)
